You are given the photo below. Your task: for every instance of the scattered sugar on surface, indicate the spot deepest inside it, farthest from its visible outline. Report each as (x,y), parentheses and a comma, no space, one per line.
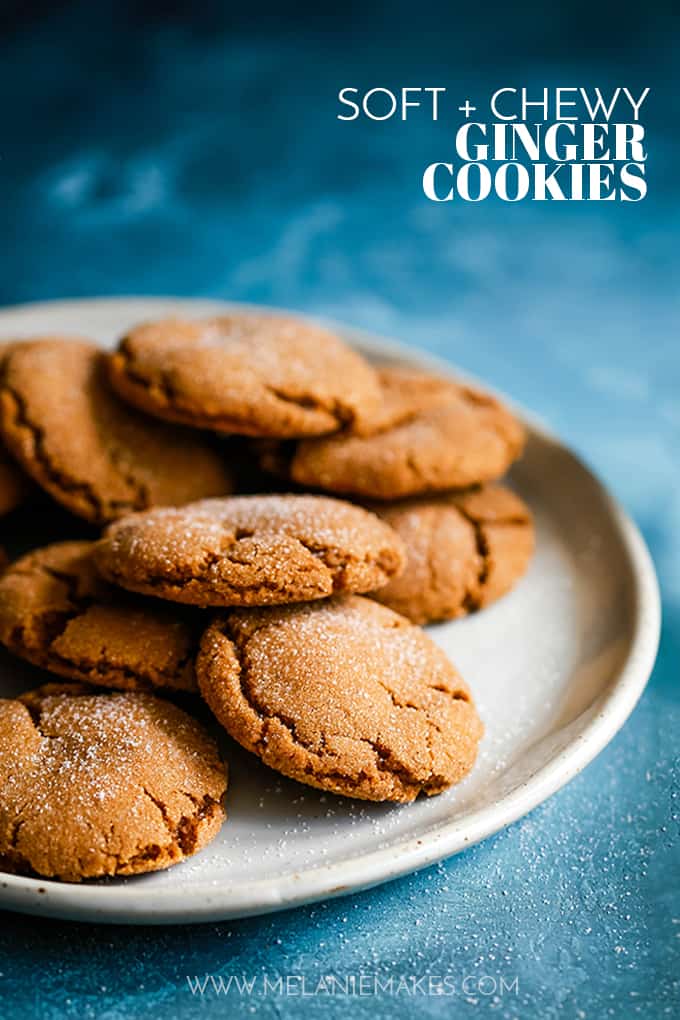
(95,749)
(275,828)
(314,641)
(520,675)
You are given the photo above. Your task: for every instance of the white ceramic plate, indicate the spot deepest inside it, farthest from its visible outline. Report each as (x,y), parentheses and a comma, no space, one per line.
(556,668)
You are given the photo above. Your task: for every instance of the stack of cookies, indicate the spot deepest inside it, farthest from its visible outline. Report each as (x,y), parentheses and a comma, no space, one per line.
(295,614)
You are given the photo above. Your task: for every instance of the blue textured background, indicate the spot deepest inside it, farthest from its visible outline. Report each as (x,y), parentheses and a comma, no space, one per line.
(159,152)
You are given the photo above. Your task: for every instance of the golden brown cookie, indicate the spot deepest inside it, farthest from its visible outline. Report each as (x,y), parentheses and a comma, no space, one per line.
(251,550)
(13,485)
(246,373)
(97,783)
(90,451)
(59,614)
(344,695)
(431,435)
(464,551)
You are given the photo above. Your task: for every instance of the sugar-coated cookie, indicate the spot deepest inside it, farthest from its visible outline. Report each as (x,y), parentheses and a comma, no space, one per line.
(247,373)
(431,435)
(464,550)
(56,612)
(97,783)
(251,550)
(344,695)
(88,449)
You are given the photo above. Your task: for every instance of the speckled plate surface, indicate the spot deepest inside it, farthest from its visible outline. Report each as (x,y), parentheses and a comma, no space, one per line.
(556,668)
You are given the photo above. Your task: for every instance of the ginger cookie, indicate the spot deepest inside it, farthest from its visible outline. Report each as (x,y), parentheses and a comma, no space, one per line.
(13,485)
(344,695)
(56,612)
(431,435)
(245,373)
(464,551)
(96,783)
(251,550)
(90,451)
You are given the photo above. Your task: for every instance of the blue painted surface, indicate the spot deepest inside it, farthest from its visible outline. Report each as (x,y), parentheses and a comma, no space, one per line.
(153,154)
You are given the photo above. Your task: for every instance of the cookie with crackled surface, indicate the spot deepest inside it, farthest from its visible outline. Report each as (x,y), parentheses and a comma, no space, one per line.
(464,551)
(90,451)
(430,435)
(58,613)
(96,784)
(246,373)
(251,550)
(344,695)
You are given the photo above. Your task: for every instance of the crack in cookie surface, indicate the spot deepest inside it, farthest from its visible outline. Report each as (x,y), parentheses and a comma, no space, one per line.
(27,439)
(254,374)
(58,614)
(94,454)
(345,695)
(433,434)
(464,551)
(251,550)
(97,784)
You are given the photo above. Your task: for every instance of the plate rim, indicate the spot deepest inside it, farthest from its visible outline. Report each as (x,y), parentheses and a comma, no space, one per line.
(132,904)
